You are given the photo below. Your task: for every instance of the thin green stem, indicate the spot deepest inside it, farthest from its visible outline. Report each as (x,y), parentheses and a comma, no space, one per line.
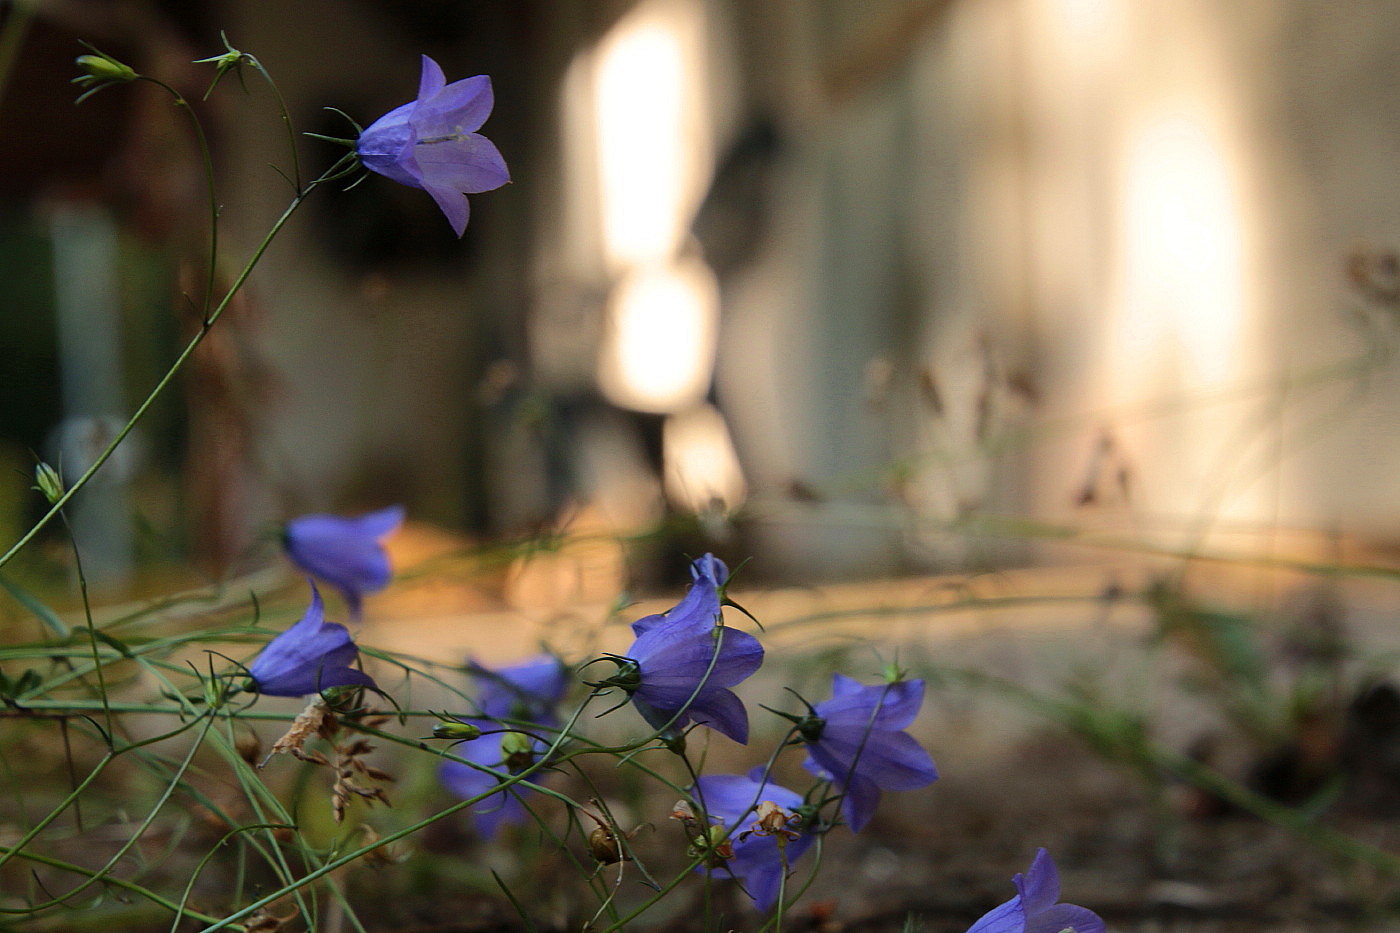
(93,875)
(57,811)
(357,853)
(211,195)
(337,170)
(286,118)
(102,873)
(181,910)
(97,665)
(12,38)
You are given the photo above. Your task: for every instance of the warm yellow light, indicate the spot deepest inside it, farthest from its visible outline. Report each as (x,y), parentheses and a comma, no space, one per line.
(651,150)
(702,468)
(1183,274)
(660,347)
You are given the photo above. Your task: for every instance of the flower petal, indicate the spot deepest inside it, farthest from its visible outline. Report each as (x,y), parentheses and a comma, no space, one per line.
(502,808)
(1008,917)
(431,80)
(381,146)
(1063,917)
(853,703)
(344,552)
(468,164)
(311,656)
(454,206)
(455,110)
(861,800)
(893,760)
(732,797)
(1040,885)
(527,690)
(723,712)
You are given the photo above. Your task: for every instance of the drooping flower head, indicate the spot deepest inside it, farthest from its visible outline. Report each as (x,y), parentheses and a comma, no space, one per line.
(761,816)
(855,740)
(1034,909)
(527,691)
(310,657)
(347,553)
(682,662)
(432,143)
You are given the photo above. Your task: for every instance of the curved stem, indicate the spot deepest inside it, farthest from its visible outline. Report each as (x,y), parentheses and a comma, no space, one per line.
(337,170)
(207,163)
(354,854)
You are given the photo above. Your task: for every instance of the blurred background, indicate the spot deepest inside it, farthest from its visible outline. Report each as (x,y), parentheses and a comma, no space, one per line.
(857,289)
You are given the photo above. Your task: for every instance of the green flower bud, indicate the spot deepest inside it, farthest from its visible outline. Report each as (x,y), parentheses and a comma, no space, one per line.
(100,70)
(892,673)
(104,68)
(231,59)
(48,482)
(457,731)
(518,750)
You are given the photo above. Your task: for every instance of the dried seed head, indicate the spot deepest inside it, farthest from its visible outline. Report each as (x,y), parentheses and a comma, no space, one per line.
(310,721)
(604,847)
(712,847)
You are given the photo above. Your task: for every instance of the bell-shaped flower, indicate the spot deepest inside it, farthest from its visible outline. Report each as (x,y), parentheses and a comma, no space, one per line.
(766,834)
(528,691)
(855,740)
(682,662)
(1034,909)
(347,553)
(432,143)
(312,656)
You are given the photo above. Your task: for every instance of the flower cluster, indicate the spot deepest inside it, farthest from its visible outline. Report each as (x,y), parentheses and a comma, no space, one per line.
(678,674)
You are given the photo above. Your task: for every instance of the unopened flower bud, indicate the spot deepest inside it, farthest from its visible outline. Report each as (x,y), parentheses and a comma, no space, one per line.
(101,67)
(518,751)
(48,482)
(456,730)
(892,673)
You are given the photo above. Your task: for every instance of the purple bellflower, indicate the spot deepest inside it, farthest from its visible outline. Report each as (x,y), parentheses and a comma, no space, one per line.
(432,143)
(311,656)
(526,691)
(347,553)
(855,740)
(1034,908)
(682,662)
(734,801)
